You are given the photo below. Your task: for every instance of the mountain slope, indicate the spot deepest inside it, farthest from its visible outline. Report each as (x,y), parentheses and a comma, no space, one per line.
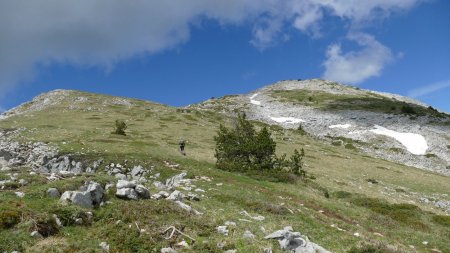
(383,125)
(354,199)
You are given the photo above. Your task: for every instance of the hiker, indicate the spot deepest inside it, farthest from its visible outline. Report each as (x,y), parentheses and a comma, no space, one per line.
(182,143)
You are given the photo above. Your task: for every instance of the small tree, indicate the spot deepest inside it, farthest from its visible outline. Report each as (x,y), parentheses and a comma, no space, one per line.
(120,127)
(296,163)
(243,148)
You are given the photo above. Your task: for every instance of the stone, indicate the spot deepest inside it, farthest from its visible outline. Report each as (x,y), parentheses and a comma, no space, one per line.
(57,220)
(248,235)
(96,191)
(176,195)
(79,198)
(231,251)
(125,184)
(121,176)
(23,182)
(168,250)
(182,244)
(127,193)
(159,185)
(20,194)
(187,208)
(142,191)
(53,193)
(36,234)
(104,246)
(137,171)
(175,180)
(295,242)
(193,197)
(222,230)
(230,223)
(267,250)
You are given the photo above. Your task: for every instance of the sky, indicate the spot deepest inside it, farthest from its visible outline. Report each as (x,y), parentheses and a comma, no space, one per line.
(181,52)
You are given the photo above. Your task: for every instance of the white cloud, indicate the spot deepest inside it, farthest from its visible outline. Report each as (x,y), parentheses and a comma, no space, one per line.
(428,89)
(100,33)
(356,66)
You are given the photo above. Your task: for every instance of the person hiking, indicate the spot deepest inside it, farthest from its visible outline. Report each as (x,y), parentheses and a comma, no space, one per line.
(182,143)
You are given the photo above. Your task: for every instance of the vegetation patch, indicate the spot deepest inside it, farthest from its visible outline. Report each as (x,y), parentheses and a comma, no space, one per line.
(442,220)
(9,218)
(342,194)
(406,214)
(244,149)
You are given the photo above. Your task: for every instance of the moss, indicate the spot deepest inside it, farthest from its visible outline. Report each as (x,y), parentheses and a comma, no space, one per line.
(342,194)
(442,220)
(407,214)
(9,218)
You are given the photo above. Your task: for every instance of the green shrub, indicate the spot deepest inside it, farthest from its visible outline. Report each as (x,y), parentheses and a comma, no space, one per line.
(9,218)
(121,126)
(442,220)
(407,109)
(342,194)
(301,130)
(296,163)
(430,155)
(244,149)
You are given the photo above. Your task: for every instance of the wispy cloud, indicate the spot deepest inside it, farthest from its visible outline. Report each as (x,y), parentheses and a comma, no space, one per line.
(356,66)
(428,89)
(101,33)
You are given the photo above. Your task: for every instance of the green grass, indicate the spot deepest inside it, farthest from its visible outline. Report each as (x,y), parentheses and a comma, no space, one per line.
(367,102)
(338,195)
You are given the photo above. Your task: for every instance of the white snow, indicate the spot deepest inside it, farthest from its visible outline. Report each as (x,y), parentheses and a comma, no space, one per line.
(344,126)
(289,120)
(414,143)
(255,102)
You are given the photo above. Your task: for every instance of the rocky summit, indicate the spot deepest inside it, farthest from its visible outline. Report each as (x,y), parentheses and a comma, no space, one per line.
(377,174)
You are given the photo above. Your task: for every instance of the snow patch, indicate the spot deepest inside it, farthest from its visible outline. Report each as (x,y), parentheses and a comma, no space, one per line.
(344,126)
(414,143)
(289,120)
(255,102)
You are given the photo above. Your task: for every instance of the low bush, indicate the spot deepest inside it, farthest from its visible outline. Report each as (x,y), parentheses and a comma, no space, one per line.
(244,149)
(342,194)
(9,218)
(442,220)
(121,126)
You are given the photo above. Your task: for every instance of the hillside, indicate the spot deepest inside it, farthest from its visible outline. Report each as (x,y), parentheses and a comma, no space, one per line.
(383,125)
(354,199)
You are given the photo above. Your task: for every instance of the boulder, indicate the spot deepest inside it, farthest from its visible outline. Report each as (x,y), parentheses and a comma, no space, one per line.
(176,195)
(78,198)
(168,250)
(248,235)
(91,194)
(295,242)
(127,193)
(223,230)
(142,191)
(125,184)
(53,192)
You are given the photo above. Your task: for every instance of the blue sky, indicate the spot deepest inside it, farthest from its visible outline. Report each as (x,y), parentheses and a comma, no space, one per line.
(182,52)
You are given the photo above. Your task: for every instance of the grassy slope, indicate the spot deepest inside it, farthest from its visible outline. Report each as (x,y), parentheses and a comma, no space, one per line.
(367,102)
(152,137)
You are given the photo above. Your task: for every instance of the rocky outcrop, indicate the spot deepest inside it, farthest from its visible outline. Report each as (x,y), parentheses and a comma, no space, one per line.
(131,190)
(90,195)
(295,242)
